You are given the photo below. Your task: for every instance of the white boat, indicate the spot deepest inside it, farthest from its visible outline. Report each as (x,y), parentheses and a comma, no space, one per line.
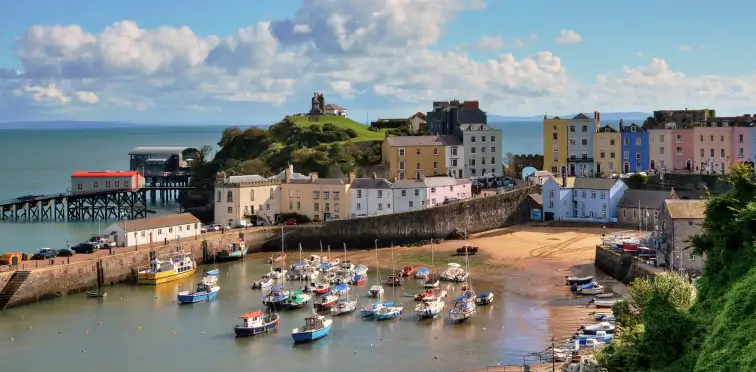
(431,282)
(395,311)
(591,289)
(452,270)
(264,282)
(461,277)
(361,270)
(310,274)
(328,277)
(464,307)
(347,265)
(604,317)
(429,308)
(603,303)
(595,328)
(313,260)
(278,273)
(344,307)
(376,290)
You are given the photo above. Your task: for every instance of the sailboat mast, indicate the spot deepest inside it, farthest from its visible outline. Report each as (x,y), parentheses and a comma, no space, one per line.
(377,264)
(393,270)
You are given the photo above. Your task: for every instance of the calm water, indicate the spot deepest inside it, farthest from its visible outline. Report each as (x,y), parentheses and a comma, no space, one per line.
(134,326)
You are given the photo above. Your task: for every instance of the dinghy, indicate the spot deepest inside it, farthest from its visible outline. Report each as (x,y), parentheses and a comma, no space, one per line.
(603,303)
(484,298)
(592,288)
(264,282)
(572,280)
(598,327)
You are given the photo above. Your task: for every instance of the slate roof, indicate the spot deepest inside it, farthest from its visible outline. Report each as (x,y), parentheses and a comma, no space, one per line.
(474,127)
(371,183)
(245,178)
(294,176)
(320,181)
(409,184)
(647,198)
(538,198)
(440,181)
(595,183)
(400,141)
(158,222)
(686,209)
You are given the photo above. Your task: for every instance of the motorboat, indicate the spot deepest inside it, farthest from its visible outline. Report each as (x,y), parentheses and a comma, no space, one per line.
(372,310)
(264,282)
(309,274)
(432,281)
(212,272)
(340,289)
(296,299)
(429,308)
(278,273)
(452,270)
(343,276)
(313,260)
(326,302)
(255,323)
(461,277)
(603,303)
(604,317)
(361,270)
(484,298)
(592,288)
(406,271)
(315,327)
(393,280)
(358,279)
(598,327)
(276,298)
(581,280)
(464,307)
(319,288)
(602,336)
(347,265)
(206,290)
(325,267)
(389,312)
(277,258)
(328,276)
(177,267)
(422,273)
(344,306)
(376,290)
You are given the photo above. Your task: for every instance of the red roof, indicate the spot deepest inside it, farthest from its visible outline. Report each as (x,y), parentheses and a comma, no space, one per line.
(110,174)
(254,314)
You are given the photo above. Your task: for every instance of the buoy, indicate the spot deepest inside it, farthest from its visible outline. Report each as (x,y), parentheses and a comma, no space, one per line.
(12,339)
(173,333)
(203,333)
(139,328)
(99,324)
(86,332)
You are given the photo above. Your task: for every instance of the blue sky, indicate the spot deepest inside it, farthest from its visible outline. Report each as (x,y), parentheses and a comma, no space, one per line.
(386,58)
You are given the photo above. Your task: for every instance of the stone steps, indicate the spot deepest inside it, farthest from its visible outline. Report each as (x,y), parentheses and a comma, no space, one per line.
(10,289)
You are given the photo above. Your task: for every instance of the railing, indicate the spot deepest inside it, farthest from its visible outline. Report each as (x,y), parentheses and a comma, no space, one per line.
(36,198)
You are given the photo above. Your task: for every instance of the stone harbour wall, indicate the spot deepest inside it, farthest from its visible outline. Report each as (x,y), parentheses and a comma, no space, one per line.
(621,266)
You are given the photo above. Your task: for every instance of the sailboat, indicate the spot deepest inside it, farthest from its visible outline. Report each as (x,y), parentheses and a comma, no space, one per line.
(464,305)
(394,311)
(277,297)
(377,289)
(344,306)
(432,281)
(297,298)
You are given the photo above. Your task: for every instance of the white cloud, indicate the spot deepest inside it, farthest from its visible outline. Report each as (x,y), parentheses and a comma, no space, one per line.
(490,43)
(374,54)
(640,54)
(518,42)
(568,37)
(690,48)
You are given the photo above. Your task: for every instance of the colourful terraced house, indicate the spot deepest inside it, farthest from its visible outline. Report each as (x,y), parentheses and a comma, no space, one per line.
(634,148)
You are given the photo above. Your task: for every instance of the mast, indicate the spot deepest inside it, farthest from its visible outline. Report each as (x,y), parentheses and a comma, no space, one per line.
(283,261)
(345,254)
(393,270)
(377,264)
(467,263)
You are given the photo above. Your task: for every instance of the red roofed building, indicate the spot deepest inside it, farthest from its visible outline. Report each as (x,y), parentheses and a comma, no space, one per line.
(108,181)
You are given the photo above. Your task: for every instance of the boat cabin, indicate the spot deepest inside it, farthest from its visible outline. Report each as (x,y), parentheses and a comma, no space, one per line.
(251,319)
(314,322)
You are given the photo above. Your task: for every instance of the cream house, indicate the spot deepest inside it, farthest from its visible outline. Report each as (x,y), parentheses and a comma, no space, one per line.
(154,230)
(246,198)
(317,198)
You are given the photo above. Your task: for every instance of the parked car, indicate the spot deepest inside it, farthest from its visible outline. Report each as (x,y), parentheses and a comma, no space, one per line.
(45,253)
(243,223)
(290,221)
(87,247)
(104,241)
(451,200)
(66,252)
(203,229)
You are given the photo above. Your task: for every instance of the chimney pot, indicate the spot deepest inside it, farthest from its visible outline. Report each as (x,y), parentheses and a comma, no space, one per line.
(288,172)
(313,176)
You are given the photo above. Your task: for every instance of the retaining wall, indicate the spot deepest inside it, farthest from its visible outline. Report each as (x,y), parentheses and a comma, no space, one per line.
(621,266)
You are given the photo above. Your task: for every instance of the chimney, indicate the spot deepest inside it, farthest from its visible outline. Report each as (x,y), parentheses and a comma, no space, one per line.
(220,177)
(351,177)
(375,175)
(313,177)
(288,172)
(620,125)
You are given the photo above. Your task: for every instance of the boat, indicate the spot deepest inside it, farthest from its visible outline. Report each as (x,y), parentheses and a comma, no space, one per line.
(572,280)
(340,289)
(296,299)
(313,259)
(344,305)
(590,289)
(325,267)
(328,277)
(422,273)
(319,288)
(342,277)
(432,279)
(592,329)
(278,258)
(316,326)
(601,336)
(604,295)
(429,308)
(276,298)
(234,251)
(451,272)
(361,270)
(278,273)
(255,323)
(464,305)
(97,294)
(394,280)
(206,290)
(326,302)
(264,282)
(357,279)
(394,311)
(604,317)
(176,267)
(346,264)
(484,298)
(372,309)
(603,303)
(406,271)
(212,272)
(461,277)
(376,290)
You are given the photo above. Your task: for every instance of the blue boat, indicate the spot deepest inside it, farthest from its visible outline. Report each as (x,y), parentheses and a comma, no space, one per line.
(340,289)
(316,326)
(422,273)
(326,266)
(213,272)
(372,310)
(484,298)
(389,312)
(206,291)
(276,298)
(604,338)
(255,323)
(235,251)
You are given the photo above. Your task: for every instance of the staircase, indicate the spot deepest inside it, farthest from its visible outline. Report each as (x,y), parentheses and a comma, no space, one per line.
(10,289)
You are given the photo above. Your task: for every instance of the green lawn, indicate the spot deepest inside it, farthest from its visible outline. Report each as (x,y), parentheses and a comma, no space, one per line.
(363,134)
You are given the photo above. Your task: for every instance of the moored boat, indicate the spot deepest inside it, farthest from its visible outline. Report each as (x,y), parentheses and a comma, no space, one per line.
(234,251)
(319,288)
(484,298)
(264,282)
(464,307)
(316,326)
(361,270)
(393,311)
(326,302)
(592,288)
(372,309)
(358,279)
(376,290)
(406,271)
(296,299)
(598,327)
(393,280)
(255,323)
(97,294)
(429,308)
(212,272)
(206,290)
(422,273)
(344,306)
(603,303)
(280,257)
(340,289)
(177,267)
(278,273)
(276,298)
(572,280)
(452,270)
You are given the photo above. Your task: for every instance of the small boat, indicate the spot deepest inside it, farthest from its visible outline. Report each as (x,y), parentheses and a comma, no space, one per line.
(461,277)
(394,281)
(604,295)
(599,335)
(572,280)
(278,258)
(340,289)
(278,273)
(325,267)
(484,298)
(590,343)
(179,266)
(313,260)
(264,282)
(389,312)
(604,317)
(309,274)
(603,303)
(296,299)
(410,295)
(212,272)
(276,298)
(316,326)
(344,307)
(97,294)
(347,265)
(464,307)
(326,302)
(206,290)
(430,308)
(361,270)
(372,310)
(432,281)
(255,323)
(334,262)
(422,273)
(406,271)
(376,290)
(357,279)
(320,288)
(452,270)
(598,327)
(590,289)
(328,277)
(234,251)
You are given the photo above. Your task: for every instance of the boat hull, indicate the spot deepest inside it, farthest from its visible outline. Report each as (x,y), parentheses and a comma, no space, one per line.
(197,297)
(309,336)
(252,331)
(212,272)
(164,277)
(389,315)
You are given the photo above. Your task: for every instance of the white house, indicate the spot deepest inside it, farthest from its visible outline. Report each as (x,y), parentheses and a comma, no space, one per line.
(409,195)
(441,188)
(370,197)
(482,150)
(582,199)
(455,160)
(331,109)
(154,230)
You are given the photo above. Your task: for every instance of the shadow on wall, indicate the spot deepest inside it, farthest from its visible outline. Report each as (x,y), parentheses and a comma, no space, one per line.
(475,215)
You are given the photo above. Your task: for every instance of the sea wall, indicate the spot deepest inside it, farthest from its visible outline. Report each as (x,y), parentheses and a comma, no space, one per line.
(4,278)
(474,215)
(621,266)
(55,281)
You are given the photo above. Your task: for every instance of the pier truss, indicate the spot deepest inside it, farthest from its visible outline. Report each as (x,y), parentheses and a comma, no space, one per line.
(69,207)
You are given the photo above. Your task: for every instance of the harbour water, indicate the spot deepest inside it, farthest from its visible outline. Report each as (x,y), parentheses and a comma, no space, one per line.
(144,326)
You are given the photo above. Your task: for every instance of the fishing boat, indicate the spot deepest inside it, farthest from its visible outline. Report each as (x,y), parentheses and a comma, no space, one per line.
(394,311)
(429,308)
(234,252)
(394,280)
(372,309)
(346,264)
(278,273)
(361,270)
(593,329)
(177,267)
(264,282)
(376,290)
(340,289)
(422,273)
(599,336)
(278,258)
(212,272)
(590,289)
(319,288)
(432,281)
(97,294)
(343,276)
(358,279)
(326,302)
(206,290)
(296,299)
(276,298)
(316,326)
(255,323)
(484,298)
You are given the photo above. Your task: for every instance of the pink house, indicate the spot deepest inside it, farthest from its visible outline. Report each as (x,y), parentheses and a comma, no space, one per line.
(683,149)
(740,144)
(442,188)
(712,148)
(660,148)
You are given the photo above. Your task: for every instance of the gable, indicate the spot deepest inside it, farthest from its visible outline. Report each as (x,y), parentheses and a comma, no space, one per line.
(580,116)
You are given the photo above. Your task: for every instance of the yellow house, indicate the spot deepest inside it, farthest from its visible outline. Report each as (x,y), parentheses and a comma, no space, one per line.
(606,151)
(317,198)
(554,145)
(409,157)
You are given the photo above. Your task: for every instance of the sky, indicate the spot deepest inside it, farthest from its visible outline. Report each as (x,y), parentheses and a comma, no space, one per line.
(254,61)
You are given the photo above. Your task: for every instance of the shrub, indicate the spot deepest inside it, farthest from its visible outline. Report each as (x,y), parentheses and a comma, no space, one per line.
(300,218)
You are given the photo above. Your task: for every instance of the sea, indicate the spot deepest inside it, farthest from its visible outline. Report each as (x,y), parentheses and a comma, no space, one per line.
(143,328)
(39,160)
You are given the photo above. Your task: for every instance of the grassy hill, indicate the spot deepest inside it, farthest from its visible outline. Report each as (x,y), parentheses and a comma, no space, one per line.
(363,133)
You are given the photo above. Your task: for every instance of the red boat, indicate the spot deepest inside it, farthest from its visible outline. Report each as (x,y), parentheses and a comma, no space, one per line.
(406,271)
(630,247)
(421,296)
(278,258)
(326,302)
(357,280)
(320,289)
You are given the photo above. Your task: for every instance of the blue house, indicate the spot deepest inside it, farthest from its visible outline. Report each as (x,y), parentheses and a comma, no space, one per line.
(635,150)
(582,199)
(581,130)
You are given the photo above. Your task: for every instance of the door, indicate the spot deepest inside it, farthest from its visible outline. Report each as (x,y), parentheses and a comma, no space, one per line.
(598,168)
(626,167)
(572,169)
(14,260)
(653,165)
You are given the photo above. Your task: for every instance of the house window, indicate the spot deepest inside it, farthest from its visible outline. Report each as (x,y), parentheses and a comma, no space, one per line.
(316,195)
(482,138)
(117,183)
(410,203)
(690,223)
(326,195)
(603,195)
(230,196)
(711,153)
(678,150)
(401,152)
(336,207)
(417,151)
(271,194)
(678,138)
(572,129)
(435,151)
(472,150)
(417,192)
(107,183)
(433,190)
(418,175)
(637,167)
(404,192)
(299,205)
(593,195)
(554,136)
(584,129)
(401,165)
(493,138)
(632,129)
(493,160)
(573,142)
(160,231)
(611,142)
(483,149)
(702,138)
(611,155)
(602,154)
(493,148)
(230,209)
(218,197)
(316,207)
(740,138)
(472,139)
(551,204)
(401,175)
(638,141)
(626,155)
(624,213)
(418,166)
(701,151)
(170,230)
(584,142)
(435,164)
(661,150)
(359,193)
(380,193)
(454,162)
(721,138)
(603,206)
(637,155)
(252,195)
(336,195)
(79,187)
(380,206)
(143,234)
(584,193)
(454,151)
(740,152)
(661,138)
(327,207)
(722,153)
(554,170)
(627,141)
(584,156)
(96,184)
